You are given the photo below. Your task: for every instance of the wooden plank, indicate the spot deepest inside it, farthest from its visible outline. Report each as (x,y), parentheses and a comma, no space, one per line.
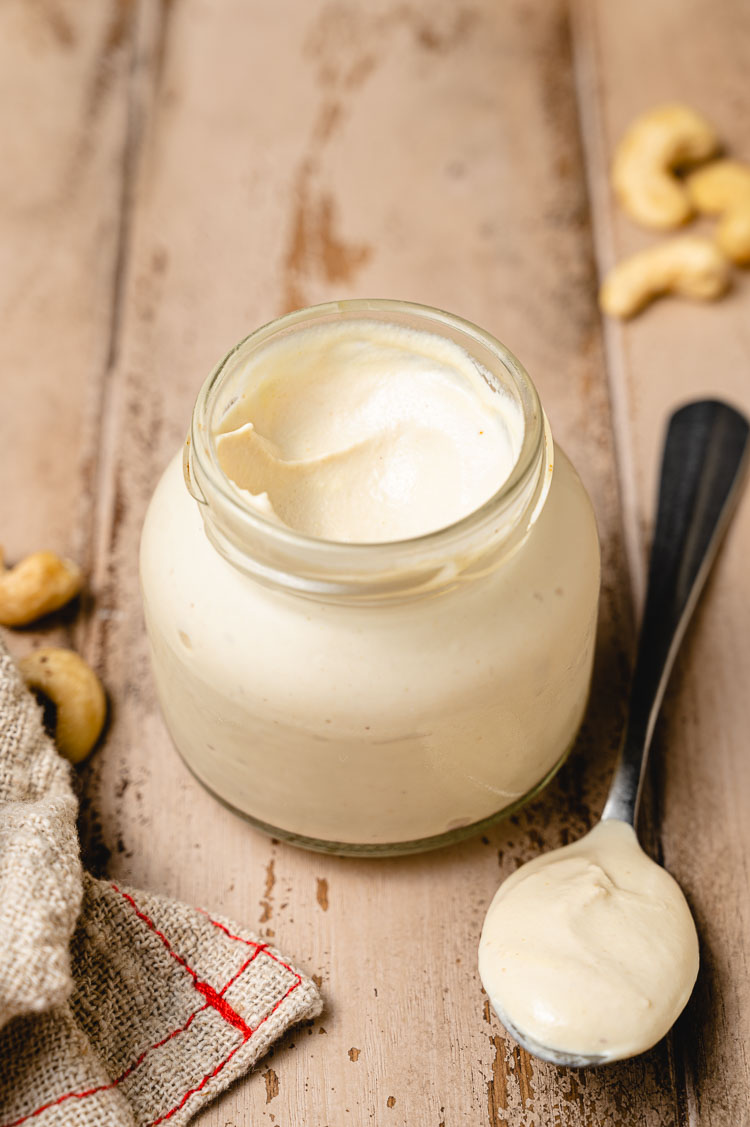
(62,118)
(698,53)
(63,78)
(296,152)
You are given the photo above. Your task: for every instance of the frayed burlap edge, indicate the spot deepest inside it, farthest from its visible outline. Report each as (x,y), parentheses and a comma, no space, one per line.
(142,1011)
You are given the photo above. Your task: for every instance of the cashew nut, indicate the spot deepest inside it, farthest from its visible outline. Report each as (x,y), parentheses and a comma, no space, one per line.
(723,188)
(658,142)
(76,691)
(688,265)
(41,583)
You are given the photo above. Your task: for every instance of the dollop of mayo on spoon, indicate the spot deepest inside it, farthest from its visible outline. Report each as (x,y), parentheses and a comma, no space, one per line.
(590,949)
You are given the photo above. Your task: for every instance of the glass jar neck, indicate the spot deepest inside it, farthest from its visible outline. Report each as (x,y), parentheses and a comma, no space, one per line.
(280,557)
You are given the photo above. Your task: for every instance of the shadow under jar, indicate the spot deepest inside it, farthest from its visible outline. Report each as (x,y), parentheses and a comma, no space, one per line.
(372,698)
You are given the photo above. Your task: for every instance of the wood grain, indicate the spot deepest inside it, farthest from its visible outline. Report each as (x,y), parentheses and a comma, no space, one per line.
(246,158)
(63,114)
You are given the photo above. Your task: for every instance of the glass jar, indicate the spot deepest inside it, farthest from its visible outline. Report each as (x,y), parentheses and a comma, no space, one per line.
(372,698)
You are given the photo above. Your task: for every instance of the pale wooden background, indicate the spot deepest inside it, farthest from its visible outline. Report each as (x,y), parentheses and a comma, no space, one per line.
(174,174)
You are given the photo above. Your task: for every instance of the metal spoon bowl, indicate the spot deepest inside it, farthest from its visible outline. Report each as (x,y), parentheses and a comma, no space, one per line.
(544,1052)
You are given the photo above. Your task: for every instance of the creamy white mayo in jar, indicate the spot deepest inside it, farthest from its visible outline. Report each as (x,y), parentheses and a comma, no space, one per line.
(371,581)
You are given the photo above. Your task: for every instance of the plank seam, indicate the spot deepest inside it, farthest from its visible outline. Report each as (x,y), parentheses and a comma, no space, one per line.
(593,142)
(103,456)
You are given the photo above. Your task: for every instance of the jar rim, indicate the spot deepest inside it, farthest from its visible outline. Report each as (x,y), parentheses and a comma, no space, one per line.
(534,460)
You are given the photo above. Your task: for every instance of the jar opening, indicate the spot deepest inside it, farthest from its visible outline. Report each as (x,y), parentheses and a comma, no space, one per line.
(257,543)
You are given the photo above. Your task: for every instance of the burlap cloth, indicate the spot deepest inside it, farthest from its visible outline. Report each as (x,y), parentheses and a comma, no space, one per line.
(117,1007)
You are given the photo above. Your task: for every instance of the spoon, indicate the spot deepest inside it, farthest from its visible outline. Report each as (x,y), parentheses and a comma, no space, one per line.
(702,467)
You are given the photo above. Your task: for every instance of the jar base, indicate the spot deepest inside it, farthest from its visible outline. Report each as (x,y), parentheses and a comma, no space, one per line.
(386,849)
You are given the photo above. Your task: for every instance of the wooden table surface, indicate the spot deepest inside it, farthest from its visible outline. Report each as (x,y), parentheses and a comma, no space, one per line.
(176,173)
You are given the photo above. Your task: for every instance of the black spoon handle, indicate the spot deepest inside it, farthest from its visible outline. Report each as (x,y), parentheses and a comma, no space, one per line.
(705,454)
